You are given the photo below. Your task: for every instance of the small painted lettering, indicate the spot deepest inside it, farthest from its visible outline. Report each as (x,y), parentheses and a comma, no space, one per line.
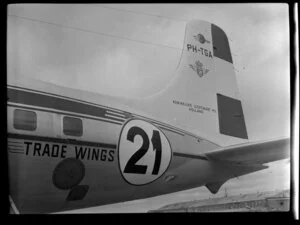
(182,103)
(97,154)
(200,50)
(194,107)
(43,149)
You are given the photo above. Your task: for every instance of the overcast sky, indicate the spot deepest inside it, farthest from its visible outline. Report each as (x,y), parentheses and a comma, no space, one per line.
(124,49)
(258,34)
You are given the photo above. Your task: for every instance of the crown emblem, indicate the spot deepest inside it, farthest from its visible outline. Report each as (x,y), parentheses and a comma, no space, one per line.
(199,69)
(201,38)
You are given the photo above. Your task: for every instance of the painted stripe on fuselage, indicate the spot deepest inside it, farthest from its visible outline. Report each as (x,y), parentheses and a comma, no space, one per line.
(115,117)
(16,149)
(117,114)
(63,97)
(15,146)
(14,142)
(17,152)
(163,125)
(61,140)
(35,99)
(172,128)
(166,128)
(16,95)
(84,143)
(58,102)
(66,113)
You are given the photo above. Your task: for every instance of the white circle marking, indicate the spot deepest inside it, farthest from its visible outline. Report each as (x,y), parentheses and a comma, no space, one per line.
(144,152)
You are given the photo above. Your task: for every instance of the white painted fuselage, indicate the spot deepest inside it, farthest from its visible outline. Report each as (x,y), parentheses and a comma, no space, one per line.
(34,155)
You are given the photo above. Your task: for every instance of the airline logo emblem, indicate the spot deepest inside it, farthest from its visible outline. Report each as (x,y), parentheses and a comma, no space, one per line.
(199,37)
(199,69)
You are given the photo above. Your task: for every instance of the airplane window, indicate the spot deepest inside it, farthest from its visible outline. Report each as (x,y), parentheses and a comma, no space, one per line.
(72,126)
(24,120)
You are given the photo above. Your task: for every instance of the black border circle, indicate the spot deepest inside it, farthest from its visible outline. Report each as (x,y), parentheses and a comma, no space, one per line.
(119,154)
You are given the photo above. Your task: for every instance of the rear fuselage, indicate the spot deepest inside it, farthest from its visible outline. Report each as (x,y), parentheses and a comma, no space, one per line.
(48,133)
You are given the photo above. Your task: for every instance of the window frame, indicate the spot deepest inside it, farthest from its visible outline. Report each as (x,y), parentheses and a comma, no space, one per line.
(68,131)
(19,126)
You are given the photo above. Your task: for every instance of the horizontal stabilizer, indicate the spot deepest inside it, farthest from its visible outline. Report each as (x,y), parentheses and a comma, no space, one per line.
(253,153)
(239,160)
(233,170)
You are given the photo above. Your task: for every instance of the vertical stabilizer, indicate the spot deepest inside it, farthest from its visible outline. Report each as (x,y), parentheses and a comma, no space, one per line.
(203,94)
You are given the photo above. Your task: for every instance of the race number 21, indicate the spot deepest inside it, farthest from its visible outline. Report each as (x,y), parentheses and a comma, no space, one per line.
(144,152)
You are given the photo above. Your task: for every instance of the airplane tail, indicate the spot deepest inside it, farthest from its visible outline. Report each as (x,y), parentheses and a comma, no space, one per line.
(203,95)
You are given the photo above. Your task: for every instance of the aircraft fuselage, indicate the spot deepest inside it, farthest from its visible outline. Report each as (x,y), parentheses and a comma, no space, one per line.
(54,168)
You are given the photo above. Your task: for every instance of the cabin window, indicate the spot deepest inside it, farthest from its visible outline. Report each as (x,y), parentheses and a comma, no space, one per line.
(72,126)
(24,120)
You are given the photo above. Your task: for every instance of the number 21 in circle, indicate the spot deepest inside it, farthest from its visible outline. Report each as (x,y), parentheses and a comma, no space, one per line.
(144,152)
